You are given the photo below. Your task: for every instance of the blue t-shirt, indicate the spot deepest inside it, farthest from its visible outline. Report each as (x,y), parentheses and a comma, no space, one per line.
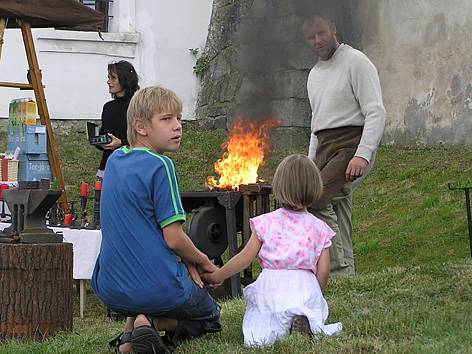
(135,270)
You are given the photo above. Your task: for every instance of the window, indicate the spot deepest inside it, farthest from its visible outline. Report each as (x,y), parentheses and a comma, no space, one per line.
(99,5)
(89,3)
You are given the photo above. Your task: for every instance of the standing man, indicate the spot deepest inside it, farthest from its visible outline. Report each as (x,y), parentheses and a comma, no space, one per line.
(348,119)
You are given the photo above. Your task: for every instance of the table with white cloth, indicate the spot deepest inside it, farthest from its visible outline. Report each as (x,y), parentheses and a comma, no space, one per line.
(85,245)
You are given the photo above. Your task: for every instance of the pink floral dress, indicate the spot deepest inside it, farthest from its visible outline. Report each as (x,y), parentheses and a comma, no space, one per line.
(292,242)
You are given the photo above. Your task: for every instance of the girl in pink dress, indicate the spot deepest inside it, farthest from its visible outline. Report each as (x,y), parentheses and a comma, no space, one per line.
(292,247)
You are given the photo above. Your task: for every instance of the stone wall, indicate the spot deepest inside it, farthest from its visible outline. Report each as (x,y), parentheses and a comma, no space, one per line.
(259,63)
(422,52)
(62,126)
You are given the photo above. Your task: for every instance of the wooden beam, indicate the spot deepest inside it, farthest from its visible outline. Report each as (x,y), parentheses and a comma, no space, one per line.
(3,24)
(35,75)
(17,85)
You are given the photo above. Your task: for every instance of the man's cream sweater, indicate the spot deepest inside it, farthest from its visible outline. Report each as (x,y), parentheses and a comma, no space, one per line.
(345,91)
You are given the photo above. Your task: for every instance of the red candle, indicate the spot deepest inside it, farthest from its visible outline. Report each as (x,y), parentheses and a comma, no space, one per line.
(3,186)
(67,219)
(98,185)
(84,189)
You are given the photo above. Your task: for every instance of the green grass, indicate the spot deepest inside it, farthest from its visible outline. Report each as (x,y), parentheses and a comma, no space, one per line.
(405,211)
(413,289)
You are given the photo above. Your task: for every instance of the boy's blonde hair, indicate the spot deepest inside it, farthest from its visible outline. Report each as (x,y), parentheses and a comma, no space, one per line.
(147,102)
(297,182)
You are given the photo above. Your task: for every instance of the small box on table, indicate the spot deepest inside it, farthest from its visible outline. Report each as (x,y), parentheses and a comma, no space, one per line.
(33,167)
(29,138)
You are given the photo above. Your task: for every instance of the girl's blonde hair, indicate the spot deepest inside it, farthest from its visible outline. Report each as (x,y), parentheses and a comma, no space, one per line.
(147,102)
(297,182)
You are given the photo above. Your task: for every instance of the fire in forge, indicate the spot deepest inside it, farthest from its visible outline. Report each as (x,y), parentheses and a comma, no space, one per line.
(247,142)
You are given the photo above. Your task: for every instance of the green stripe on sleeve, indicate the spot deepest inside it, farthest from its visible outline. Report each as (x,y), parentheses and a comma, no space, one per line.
(177,188)
(165,163)
(172,219)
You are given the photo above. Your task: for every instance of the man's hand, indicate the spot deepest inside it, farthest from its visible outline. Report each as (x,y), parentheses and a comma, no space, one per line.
(355,168)
(115,143)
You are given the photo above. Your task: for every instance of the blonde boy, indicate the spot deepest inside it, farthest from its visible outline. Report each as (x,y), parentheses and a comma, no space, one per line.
(138,271)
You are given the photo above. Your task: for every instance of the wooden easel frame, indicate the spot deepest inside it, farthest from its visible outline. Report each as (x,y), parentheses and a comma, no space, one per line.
(37,86)
(3,24)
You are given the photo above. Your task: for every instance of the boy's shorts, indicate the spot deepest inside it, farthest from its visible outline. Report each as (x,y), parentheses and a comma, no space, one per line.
(200,314)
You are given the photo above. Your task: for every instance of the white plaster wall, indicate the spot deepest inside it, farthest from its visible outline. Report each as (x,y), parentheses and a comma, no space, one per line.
(154,35)
(168,30)
(73,66)
(13,68)
(423,54)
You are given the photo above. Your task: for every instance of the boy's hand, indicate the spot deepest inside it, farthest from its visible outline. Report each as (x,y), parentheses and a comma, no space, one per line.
(193,272)
(208,267)
(211,279)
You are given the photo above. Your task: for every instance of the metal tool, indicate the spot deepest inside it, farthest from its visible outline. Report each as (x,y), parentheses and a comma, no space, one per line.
(96,205)
(75,223)
(207,229)
(467,206)
(55,216)
(29,204)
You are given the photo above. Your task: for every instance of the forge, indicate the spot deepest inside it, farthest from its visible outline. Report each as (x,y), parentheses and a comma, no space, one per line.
(219,221)
(220,216)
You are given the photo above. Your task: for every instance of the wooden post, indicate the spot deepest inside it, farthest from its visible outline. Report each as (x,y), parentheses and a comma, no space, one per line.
(3,24)
(35,75)
(82,297)
(35,290)
(246,233)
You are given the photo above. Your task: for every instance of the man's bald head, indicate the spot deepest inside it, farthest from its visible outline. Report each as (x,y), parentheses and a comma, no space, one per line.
(319,32)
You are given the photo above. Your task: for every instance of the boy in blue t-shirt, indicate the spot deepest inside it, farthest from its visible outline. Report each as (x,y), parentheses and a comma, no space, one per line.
(140,270)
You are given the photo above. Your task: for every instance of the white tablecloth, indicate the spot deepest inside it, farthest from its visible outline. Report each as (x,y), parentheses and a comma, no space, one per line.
(85,244)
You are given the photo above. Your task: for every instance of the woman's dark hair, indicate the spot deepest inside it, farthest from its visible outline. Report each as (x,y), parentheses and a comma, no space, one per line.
(127,76)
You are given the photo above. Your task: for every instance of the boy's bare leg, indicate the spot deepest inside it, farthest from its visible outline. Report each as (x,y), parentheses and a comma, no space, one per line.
(165,324)
(129,325)
(161,323)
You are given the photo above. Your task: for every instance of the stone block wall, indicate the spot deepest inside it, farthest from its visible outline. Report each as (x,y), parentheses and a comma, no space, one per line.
(259,62)
(423,54)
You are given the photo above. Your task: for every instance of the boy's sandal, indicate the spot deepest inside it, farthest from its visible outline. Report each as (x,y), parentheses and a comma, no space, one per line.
(146,339)
(122,338)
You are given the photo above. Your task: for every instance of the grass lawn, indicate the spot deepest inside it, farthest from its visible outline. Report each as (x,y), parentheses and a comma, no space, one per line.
(413,288)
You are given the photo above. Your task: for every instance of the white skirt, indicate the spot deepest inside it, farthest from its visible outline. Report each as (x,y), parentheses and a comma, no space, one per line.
(275,298)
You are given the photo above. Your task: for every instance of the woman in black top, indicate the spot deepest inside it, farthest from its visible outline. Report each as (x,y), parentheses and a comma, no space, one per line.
(122,84)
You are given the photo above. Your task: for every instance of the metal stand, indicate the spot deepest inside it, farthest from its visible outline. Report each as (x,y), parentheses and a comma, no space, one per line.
(218,217)
(229,201)
(467,206)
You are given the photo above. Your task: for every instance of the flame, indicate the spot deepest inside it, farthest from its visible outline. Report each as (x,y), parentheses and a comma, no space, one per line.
(245,146)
